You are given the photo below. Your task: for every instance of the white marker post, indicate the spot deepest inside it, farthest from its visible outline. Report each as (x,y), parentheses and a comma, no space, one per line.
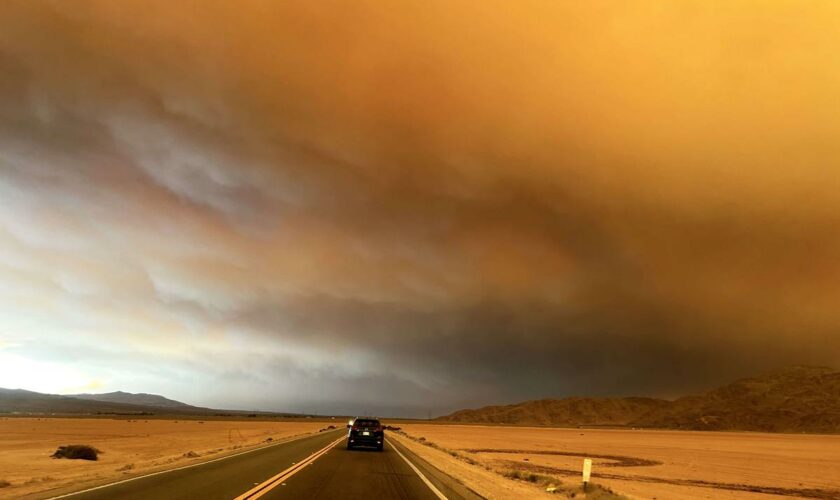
(587,471)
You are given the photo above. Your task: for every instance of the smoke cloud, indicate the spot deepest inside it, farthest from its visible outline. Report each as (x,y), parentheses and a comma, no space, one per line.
(406,209)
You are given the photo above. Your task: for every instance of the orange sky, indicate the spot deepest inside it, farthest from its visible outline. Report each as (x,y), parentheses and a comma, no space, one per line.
(451,204)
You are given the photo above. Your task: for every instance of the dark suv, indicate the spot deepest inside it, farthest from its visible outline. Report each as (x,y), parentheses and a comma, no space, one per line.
(364,431)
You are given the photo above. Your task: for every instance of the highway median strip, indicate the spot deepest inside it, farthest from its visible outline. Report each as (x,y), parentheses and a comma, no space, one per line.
(268,485)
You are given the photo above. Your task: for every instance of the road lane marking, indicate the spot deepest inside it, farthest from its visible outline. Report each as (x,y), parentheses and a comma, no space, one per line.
(277,479)
(432,487)
(297,438)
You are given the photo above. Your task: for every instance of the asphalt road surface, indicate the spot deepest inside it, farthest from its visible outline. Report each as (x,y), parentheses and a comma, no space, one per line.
(316,467)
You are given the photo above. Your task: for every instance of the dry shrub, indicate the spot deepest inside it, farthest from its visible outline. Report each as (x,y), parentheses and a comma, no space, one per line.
(525,476)
(35,480)
(594,492)
(77,452)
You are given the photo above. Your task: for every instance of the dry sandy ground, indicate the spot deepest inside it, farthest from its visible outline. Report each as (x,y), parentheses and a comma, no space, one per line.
(653,464)
(130,447)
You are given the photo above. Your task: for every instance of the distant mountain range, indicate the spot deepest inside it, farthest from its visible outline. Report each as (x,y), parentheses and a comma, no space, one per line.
(113,403)
(141,399)
(794,399)
(21,401)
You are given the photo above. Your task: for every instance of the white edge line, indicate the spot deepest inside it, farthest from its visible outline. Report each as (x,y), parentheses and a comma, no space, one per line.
(108,485)
(424,478)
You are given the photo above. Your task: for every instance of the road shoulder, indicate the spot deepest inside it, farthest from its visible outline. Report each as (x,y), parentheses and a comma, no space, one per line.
(475,480)
(449,486)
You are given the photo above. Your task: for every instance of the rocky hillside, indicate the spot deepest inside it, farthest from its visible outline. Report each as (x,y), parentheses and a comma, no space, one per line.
(569,411)
(795,399)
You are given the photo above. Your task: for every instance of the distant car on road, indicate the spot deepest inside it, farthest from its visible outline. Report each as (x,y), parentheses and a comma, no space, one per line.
(365,431)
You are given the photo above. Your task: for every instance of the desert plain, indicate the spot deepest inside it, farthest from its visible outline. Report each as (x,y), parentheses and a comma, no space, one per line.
(651,463)
(635,463)
(129,447)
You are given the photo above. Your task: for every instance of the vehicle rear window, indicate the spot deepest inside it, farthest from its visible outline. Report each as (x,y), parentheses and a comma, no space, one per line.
(366,422)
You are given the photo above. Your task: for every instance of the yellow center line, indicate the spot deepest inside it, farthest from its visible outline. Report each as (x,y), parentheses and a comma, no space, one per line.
(268,485)
(279,442)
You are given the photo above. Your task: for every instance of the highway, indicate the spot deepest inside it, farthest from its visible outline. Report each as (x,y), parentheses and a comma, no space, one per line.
(314,467)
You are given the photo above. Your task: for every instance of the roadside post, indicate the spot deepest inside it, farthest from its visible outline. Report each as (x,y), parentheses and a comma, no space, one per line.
(587,471)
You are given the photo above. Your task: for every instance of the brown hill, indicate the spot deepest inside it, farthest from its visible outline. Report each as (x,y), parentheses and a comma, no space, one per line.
(795,399)
(569,411)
